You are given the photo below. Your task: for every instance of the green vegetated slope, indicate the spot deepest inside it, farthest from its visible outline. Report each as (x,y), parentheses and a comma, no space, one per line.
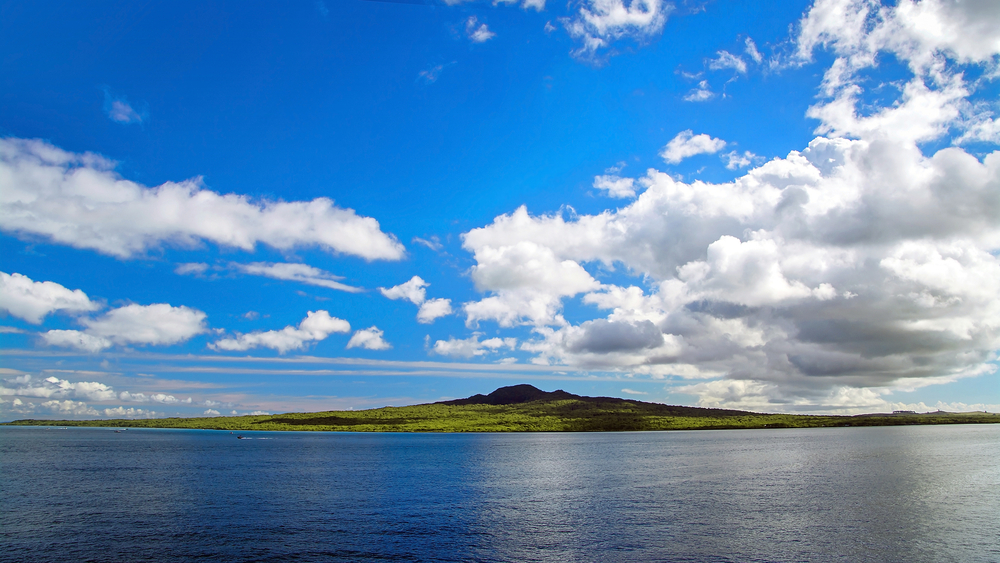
(523,408)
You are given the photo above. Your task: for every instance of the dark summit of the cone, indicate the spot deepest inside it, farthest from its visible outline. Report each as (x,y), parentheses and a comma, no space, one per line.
(513,395)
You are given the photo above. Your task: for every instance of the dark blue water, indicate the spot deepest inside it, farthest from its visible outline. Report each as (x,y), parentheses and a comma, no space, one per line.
(852,494)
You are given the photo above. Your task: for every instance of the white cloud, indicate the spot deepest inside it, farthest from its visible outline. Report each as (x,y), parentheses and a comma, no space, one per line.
(527,280)
(433,243)
(301,273)
(211,412)
(76,339)
(55,388)
(687,144)
(632,392)
(935,39)
(32,301)
(191,269)
(736,160)
(315,327)
(726,60)
(369,339)
(471,347)
(413,291)
(131,412)
(537,5)
(433,309)
(69,408)
(700,94)
(479,34)
(161,398)
(122,112)
(598,23)
(751,50)
(78,200)
(158,324)
(615,186)
(852,263)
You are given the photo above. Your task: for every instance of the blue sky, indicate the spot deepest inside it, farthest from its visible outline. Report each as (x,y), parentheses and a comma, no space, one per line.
(248,207)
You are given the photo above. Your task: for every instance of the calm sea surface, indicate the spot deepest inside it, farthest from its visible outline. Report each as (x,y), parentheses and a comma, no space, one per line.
(847,494)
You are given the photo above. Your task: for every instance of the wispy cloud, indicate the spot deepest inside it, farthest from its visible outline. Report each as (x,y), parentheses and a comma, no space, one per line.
(302,273)
(725,60)
(478,34)
(120,110)
(430,75)
(700,94)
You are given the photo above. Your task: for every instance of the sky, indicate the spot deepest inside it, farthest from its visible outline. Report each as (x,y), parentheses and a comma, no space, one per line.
(255,207)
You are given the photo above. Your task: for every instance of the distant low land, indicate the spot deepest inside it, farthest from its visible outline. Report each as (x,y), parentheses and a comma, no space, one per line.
(524,408)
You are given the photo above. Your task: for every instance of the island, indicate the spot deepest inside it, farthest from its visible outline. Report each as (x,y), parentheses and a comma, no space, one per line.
(525,408)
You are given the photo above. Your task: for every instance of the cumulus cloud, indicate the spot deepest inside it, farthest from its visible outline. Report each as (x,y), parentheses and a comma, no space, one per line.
(159,324)
(369,339)
(26,299)
(433,309)
(615,186)
(415,292)
(935,39)
(161,398)
(686,144)
(130,412)
(78,200)
(736,160)
(479,34)
(55,388)
(317,325)
(472,346)
(599,23)
(61,397)
(526,278)
(301,273)
(848,266)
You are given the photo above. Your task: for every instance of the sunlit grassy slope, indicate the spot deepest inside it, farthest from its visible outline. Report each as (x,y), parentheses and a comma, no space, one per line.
(523,408)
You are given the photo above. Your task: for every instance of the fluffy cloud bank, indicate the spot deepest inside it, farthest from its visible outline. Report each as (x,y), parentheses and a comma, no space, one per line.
(61,397)
(78,200)
(32,301)
(315,327)
(854,266)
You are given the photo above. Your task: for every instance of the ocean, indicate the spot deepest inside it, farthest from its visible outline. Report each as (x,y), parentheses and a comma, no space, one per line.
(927,493)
